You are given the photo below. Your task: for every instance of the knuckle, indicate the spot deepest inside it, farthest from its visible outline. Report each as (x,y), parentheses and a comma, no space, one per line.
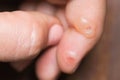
(31,25)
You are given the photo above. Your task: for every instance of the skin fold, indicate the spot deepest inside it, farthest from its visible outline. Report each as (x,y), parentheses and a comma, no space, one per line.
(82,22)
(25,36)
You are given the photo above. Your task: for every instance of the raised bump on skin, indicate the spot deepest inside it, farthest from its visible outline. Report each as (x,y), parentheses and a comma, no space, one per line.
(85,28)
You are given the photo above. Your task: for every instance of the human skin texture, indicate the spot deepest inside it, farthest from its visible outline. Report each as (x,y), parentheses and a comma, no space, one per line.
(24,34)
(82,22)
(78,41)
(81,32)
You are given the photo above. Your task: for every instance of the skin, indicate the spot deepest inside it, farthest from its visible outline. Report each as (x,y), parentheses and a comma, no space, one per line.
(79,37)
(77,44)
(25,36)
(81,32)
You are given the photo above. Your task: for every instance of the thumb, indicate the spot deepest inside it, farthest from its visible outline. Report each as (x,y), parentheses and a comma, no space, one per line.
(23,34)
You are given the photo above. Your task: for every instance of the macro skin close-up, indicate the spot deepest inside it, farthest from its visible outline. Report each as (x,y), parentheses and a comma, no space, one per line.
(59,40)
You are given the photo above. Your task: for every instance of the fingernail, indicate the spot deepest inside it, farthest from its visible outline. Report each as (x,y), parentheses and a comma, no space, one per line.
(71,51)
(85,28)
(72,61)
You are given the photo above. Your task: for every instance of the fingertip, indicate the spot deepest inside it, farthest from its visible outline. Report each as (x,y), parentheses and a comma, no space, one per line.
(47,67)
(88,18)
(71,50)
(55,34)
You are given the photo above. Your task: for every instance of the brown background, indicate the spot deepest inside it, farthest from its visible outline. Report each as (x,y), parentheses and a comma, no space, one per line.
(102,63)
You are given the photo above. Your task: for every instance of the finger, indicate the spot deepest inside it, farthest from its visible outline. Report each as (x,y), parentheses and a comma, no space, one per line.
(23,34)
(55,34)
(60,14)
(53,39)
(58,2)
(82,19)
(42,7)
(86,19)
(21,65)
(46,8)
(28,6)
(47,67)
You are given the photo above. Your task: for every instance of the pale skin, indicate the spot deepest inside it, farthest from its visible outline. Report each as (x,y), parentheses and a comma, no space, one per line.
(72,30)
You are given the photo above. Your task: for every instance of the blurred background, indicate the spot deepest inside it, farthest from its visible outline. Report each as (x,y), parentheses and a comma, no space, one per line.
(102,62)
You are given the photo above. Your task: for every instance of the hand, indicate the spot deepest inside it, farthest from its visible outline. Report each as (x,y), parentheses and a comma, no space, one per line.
(83,23)
(81,32)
